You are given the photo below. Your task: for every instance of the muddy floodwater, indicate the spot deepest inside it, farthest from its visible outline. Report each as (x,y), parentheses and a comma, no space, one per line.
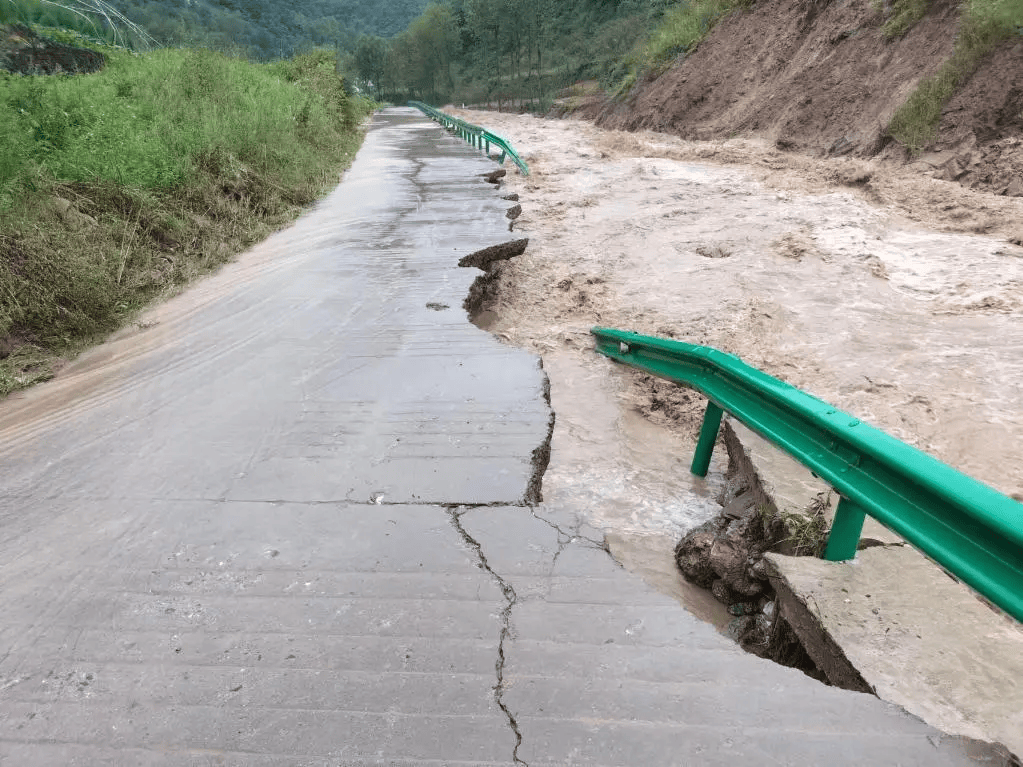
(814,271)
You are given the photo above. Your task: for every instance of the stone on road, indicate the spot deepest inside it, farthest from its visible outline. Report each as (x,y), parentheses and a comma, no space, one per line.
(288,520)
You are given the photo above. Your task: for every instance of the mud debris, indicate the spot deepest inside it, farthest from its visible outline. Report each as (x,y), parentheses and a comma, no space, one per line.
(482,259)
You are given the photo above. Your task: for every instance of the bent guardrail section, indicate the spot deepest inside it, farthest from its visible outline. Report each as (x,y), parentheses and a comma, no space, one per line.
(968,528)
(479,137)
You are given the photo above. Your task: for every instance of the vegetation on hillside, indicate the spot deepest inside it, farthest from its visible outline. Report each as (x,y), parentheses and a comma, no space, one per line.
(259,29)
(524,51)
(117,188)
(984,25)
(494,50)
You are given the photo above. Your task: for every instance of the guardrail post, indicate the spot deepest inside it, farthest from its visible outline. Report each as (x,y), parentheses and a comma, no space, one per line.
(708,436)
(845,531)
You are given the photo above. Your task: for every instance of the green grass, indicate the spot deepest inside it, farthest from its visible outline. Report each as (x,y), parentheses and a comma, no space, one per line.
(118,188)
(680,29)
(985,24)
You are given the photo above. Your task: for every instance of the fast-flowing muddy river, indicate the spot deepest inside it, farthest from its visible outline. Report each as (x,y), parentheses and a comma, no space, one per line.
(813,270)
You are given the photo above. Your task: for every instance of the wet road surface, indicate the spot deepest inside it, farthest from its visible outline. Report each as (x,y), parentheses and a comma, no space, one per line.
(288,520)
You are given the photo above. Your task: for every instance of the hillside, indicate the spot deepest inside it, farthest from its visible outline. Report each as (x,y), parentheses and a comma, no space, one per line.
(256,28)
(828,79)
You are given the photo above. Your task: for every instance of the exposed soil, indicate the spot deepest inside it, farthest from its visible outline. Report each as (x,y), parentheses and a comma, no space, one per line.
(980,142)
(25,52)
(818,77)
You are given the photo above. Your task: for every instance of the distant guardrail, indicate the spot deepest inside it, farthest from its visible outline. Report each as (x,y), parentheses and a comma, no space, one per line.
(477,136)
(970,529)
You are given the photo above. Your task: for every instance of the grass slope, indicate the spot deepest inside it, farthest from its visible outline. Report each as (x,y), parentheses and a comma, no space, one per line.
(985,24)
(118,188)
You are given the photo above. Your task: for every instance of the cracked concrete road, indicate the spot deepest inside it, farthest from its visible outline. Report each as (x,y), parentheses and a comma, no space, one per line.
(288,520)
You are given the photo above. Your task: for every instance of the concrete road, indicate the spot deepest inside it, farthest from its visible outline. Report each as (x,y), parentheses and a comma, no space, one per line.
(289,520)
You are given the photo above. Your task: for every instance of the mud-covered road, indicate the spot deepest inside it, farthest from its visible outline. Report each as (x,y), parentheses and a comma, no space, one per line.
(864,284)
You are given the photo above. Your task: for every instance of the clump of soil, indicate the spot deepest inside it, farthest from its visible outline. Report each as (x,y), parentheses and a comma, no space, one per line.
(482,259)
(25,52)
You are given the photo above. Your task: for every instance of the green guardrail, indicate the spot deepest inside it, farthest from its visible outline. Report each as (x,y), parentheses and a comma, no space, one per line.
(478,137)
(970,529)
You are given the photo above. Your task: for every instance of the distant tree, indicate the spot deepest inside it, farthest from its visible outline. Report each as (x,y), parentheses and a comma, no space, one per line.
(371,59)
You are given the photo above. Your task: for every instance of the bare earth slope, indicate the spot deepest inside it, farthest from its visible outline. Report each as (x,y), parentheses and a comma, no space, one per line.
(819,77)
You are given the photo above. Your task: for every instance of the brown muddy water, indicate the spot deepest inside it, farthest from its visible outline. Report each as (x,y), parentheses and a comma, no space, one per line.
(819,280)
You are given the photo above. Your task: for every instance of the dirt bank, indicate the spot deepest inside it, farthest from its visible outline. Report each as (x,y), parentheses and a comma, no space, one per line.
(820,78)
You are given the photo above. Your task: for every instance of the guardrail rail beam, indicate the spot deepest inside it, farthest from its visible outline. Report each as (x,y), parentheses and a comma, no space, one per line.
(967,527)
(479,138)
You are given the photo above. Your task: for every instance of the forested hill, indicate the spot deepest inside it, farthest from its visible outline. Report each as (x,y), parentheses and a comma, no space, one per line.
(489,50)
(268,29)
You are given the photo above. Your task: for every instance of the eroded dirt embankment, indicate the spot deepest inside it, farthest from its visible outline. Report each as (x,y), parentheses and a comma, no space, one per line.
(819,77)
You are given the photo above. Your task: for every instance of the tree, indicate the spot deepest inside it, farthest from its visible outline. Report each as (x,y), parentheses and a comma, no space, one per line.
(370,60)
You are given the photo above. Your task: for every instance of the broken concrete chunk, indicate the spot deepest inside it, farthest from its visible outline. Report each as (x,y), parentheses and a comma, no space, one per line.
(481,259)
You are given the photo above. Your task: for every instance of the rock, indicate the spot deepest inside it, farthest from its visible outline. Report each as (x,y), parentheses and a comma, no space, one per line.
(758,570)
(738,628)
(481,259)
(511,197)
(70,215)
(513,212)
(692,554)
(952,170)
(722,593)
(757,635)
(743,608)
(495,176)
(1015,188)
(732,553)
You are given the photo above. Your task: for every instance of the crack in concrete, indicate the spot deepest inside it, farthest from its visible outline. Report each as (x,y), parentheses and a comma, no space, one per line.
(540,458)
(575,536)
(512,599)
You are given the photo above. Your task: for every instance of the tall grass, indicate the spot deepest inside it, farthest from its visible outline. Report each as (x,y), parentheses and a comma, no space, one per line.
(984,25)
(119,187)
(680,29)
(95,19)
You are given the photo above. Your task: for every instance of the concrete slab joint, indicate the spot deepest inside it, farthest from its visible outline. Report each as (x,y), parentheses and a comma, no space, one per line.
(510,598)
